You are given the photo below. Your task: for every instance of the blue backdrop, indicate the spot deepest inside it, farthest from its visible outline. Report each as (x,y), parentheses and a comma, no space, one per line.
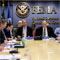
(15,18)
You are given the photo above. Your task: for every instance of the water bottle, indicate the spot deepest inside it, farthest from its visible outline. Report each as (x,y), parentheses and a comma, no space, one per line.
(13,58)
(23,41)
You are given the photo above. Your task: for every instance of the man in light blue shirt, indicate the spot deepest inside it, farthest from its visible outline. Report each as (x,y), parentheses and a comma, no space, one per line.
(57,31)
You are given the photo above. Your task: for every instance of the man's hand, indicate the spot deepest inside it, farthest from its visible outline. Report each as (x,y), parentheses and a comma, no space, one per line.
(58,38)
(1,48)
(5,42)
(19,37)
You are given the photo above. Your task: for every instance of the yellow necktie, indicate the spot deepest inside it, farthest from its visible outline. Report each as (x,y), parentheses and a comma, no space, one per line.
(25,32)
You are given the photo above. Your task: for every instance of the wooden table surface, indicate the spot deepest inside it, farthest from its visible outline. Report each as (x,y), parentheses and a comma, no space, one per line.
(39,50)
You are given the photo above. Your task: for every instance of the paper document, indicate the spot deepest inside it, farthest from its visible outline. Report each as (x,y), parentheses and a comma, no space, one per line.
(8,56)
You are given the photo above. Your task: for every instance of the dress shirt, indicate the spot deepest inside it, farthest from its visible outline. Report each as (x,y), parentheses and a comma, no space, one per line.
(45,33)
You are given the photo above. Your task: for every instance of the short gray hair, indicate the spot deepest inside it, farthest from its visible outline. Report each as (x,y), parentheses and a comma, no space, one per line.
(2,21)
(44,21)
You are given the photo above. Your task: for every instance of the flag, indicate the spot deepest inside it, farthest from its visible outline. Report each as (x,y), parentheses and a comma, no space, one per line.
(3,13)
(33,28)
(34,33)
(9,15)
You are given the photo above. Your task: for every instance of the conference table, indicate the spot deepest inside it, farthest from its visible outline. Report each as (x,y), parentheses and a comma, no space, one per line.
(47,49)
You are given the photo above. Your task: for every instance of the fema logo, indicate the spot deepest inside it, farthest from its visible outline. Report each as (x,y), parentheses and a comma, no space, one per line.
(22,9)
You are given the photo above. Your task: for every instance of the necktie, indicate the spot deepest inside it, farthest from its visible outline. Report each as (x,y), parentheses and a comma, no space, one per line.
(44,32)
(25,32)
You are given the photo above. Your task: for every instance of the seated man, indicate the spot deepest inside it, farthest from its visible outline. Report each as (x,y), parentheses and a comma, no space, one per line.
(24,31)
(3,39)
(57,32)
(19,24)
(8,31)
(1,47)
(45,30)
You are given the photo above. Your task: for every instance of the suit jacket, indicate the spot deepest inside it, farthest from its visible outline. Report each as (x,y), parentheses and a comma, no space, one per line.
(7,33)
(20,31)
(50,31)
(2,37)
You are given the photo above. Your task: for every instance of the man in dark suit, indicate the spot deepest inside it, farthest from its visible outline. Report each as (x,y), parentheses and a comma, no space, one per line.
(19,24)
(45,30)
(8,31)
(24,31)
(3,40)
